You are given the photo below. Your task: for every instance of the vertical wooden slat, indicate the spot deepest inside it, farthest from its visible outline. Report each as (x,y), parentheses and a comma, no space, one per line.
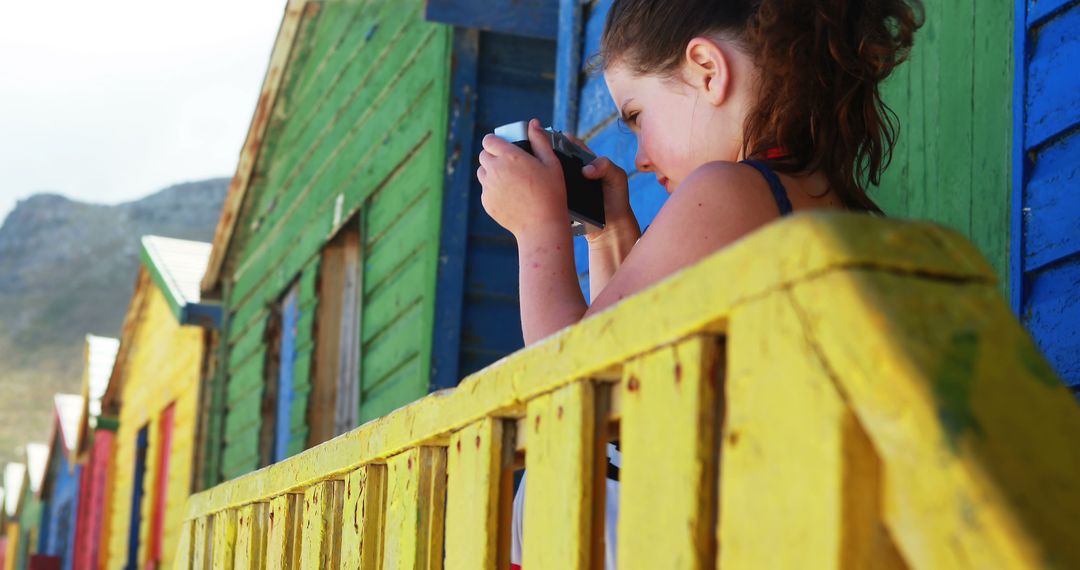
(347,410)
(559,491)
(668,474)
(224,539)
(321,534)
(476,494)
(364,512)
(416,494)
(203,547)
(790,494)
(251,536)
(283,536)
(183,558)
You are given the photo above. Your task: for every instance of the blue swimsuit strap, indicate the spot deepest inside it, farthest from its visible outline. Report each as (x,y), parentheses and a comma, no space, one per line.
(777,187)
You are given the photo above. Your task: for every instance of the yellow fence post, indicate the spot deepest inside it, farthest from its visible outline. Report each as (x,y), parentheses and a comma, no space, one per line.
(667,496)
(416,497)
(283,537)
(793,486)
(559,462)
(478,497)
(251,537)
(183,549)
(224,539)
(976,434)
(203,541)
(321,536)
(364,515)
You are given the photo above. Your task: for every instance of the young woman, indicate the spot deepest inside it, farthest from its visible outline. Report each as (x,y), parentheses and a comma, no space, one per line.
(745,110)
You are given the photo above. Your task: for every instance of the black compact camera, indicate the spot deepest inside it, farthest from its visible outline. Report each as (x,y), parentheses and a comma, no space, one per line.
(584,197)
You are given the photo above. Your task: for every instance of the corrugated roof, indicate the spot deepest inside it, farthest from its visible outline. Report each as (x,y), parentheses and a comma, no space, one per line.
(37,462)
(100,357)
(177,266)
(68,410)
(14,477)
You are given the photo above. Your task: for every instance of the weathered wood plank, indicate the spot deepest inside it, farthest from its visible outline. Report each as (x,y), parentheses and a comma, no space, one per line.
(184,551)
(670,416)
(952,392)
(795,461)
(321,535)
(364,518)
(224,539)
(416,503)
(203,544)
(559,462)
(283,542)
(251,529)
(479,493)
(689,303)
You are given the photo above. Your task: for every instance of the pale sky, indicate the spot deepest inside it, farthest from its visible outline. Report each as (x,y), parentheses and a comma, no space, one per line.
(110,100)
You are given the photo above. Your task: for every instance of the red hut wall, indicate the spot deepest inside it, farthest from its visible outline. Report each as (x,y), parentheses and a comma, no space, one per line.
(92,502)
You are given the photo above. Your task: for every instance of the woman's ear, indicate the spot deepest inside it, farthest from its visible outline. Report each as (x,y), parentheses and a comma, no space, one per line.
(708,69)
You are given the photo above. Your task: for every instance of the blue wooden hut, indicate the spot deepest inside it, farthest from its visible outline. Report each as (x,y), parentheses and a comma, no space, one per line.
(1045,249)
(60,488)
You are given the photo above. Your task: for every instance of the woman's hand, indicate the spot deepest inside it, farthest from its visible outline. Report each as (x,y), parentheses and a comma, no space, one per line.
(618,217)
(523,192)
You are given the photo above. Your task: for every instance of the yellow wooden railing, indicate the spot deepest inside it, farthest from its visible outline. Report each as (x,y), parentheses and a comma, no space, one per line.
(835,391)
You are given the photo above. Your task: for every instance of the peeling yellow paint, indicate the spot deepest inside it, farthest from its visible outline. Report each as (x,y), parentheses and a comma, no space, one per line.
(835,391)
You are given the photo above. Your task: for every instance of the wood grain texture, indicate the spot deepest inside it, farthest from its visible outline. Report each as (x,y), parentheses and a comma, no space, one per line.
(415,509)
(559,460)
(667,492)
(224,550)
(697,300)
(795,460)
(184,547)
(321,534)
(358,125)
(364,518)
(967,394)
(203,543)
(879,413)
(476,494)
(284,526)
(251,536)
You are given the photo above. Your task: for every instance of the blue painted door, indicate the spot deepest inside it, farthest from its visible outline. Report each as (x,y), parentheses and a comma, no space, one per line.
(1045,256)
(290,317)
(497,78)
(137,492)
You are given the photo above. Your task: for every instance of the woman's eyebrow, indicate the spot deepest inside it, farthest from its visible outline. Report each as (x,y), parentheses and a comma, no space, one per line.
(622,110)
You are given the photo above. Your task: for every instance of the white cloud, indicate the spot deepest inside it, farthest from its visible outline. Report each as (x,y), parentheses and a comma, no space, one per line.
(110,100)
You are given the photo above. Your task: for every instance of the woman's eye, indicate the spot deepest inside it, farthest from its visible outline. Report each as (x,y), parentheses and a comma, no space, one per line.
(631,120)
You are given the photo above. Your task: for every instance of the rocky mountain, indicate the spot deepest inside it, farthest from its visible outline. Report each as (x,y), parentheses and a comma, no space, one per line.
(68,269)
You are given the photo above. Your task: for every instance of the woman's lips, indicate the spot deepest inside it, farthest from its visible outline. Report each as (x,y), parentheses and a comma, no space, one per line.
(663,182)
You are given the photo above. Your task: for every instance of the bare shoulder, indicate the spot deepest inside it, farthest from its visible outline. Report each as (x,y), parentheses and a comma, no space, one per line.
(716,205)
(719,201)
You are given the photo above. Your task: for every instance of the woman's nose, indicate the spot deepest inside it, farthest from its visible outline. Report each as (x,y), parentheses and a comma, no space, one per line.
(641,160)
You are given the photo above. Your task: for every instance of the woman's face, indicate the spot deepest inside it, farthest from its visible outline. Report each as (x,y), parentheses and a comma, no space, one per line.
(677,124)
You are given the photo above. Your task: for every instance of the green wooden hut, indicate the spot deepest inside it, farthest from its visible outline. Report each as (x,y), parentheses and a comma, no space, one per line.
(355,267)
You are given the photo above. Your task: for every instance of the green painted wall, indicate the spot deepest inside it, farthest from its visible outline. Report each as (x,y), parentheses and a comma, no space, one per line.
(359,128)
(954,103)
(29,527)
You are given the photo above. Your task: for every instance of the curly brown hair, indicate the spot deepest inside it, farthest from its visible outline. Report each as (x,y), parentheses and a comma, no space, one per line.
(820,63)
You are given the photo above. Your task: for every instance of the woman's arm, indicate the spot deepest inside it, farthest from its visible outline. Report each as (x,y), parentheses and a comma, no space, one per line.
(550,294)
(526,195)
(607,252)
